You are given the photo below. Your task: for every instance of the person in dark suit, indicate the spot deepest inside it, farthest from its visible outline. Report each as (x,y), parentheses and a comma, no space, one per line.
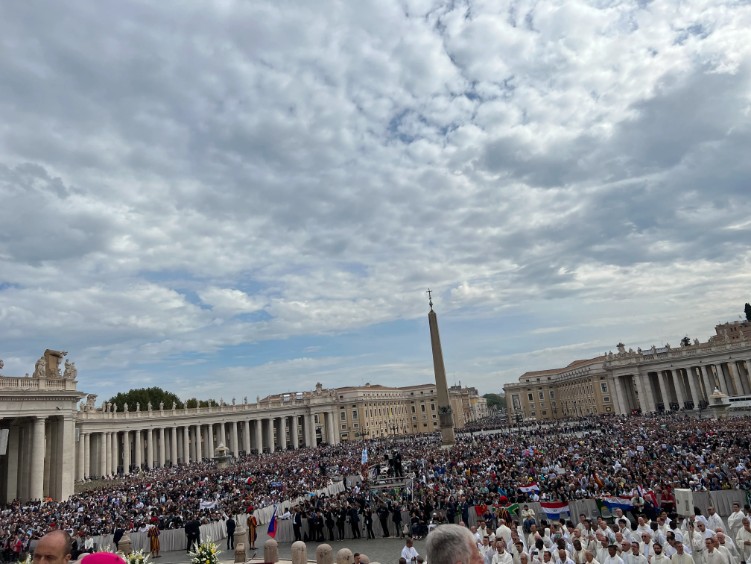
(354,520)
(296,523)
(397,511)
(368,519)
(329,517)
(383,517)
(340,521)
(230,533)
(193,532)
(119,532)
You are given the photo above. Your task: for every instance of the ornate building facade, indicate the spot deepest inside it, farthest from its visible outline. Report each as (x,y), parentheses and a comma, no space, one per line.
(648,380)
(53,440)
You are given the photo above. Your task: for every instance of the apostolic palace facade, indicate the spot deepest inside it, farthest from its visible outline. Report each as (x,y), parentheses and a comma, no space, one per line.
(650,380)
(52,434)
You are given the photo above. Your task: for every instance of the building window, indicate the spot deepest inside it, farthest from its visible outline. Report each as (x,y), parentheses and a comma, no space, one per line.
(604,387)
(542,395)
(344,427)
(552,404)
(435,416)
(316,419)
(552,394)
(414,418)
(343,415)
(531,406)
(354,414)
(356,425)
(413,409)
(533,414)
(544,412)
(606,399)
(424,424)
(530,397)
(542,404)
(432,407)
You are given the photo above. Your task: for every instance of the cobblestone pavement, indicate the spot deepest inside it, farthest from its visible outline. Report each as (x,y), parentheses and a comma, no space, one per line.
(385,551)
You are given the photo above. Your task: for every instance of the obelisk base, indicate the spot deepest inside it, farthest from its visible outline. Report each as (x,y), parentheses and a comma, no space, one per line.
(446,421)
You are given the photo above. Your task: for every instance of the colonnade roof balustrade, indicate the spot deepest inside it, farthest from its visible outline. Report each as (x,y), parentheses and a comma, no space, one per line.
(655,355)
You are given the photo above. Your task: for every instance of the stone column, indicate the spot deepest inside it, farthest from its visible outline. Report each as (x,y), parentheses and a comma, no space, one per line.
(330,422)
(126,452)
(259,435)
(233,439)
(733,369)
(36,469)
(721,378)
(161,447)
(14,452)
(186,444)
(173,447)
(246,436)
(199,449)
(115,452)
(107,453)
(138,449)
(282,433)
(705,376)
(664,390)
(691,377)
(68,458)
(310,432)
(618,392)
(150,448)
(86,455)
(81,456)
(221,435)
(270,434)
(678,387)
(211,447)
(647,384)
(293,432)
(748,373)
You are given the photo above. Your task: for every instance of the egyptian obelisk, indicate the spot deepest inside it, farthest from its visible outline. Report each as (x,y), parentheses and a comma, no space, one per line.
(445,414)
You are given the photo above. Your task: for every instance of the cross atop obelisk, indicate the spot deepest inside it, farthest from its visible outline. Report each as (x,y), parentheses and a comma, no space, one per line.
(445,414)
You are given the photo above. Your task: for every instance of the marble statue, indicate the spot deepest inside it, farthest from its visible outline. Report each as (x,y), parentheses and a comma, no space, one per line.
(126,408)
(233,401)
(138,406)
(70,370)
(696,342)
(114,407)
(741,335)
(161,406)
(621,348)
(40,368)
(638,350)
(174,406)
(148,406)
(245,400)
(91,402)
(221,402)
(1,364)
(667,346)
(654,349)
(258,399)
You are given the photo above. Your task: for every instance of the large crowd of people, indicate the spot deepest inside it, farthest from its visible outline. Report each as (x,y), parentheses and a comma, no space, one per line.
(579,459)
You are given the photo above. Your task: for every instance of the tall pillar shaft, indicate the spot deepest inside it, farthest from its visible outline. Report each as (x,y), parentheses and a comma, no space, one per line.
(37,458)
(211,447)
(707,379)
(173,447)
(14,455)
(86,455)
(126,452)
(80,469)
(259,435)
(721,379)
(233,438)
(733,370)
(310,432)
(691,377)
(664,391)
(199,449)
(186,444)
(150,448)
(246,437)
(678,388)
(138,449)
(270,434)
(445,414)
(294,431)
(283,433)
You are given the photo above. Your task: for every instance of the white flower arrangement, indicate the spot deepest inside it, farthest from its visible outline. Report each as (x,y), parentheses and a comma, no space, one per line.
(206,553)
(104,548)
(136,557)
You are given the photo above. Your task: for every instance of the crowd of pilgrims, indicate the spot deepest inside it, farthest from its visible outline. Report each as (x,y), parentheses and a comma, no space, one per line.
(583,458)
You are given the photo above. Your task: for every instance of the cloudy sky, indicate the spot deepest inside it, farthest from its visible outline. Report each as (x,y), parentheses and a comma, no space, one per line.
(229,198)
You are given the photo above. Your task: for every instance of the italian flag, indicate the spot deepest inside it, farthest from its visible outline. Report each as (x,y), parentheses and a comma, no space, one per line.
(554,509)
(528,488)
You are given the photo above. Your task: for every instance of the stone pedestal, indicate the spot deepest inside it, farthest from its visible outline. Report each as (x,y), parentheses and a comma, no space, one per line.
(239,552)
(344,556)
(299,553)
(270,551)
(324,554)
(125,545)
(241,536)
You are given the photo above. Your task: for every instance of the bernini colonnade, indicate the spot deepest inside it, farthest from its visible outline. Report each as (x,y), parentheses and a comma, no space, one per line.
(53,442)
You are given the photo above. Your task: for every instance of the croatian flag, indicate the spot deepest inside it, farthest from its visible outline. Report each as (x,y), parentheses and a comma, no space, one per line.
(364,456)
(554,509)
(272,525)
(531,487)
(613,503)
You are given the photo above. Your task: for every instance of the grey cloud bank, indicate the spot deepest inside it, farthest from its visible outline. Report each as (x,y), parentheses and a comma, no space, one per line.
(182,178)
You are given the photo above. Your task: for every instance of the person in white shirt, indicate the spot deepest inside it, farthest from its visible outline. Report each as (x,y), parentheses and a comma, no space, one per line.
(409,553)
(704,530)
(602,550)
(743,540)
(658,557)
(729,545)
(645,546)
(635,556)
(612,557)
(714,520)
(589,558)
(501,556)
(712,555)
(625,529)
(680,556)
(724,550)
(485,546)
(503,532)
(735,521)
(563,558)
(579,554)
(582,524)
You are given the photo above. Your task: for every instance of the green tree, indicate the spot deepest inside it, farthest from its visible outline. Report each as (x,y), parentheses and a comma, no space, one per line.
(144,396)
(497,400)
(747,309)
(193,402)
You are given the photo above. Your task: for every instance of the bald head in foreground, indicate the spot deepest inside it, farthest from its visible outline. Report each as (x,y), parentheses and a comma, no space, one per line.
(452,544)
(53,548)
